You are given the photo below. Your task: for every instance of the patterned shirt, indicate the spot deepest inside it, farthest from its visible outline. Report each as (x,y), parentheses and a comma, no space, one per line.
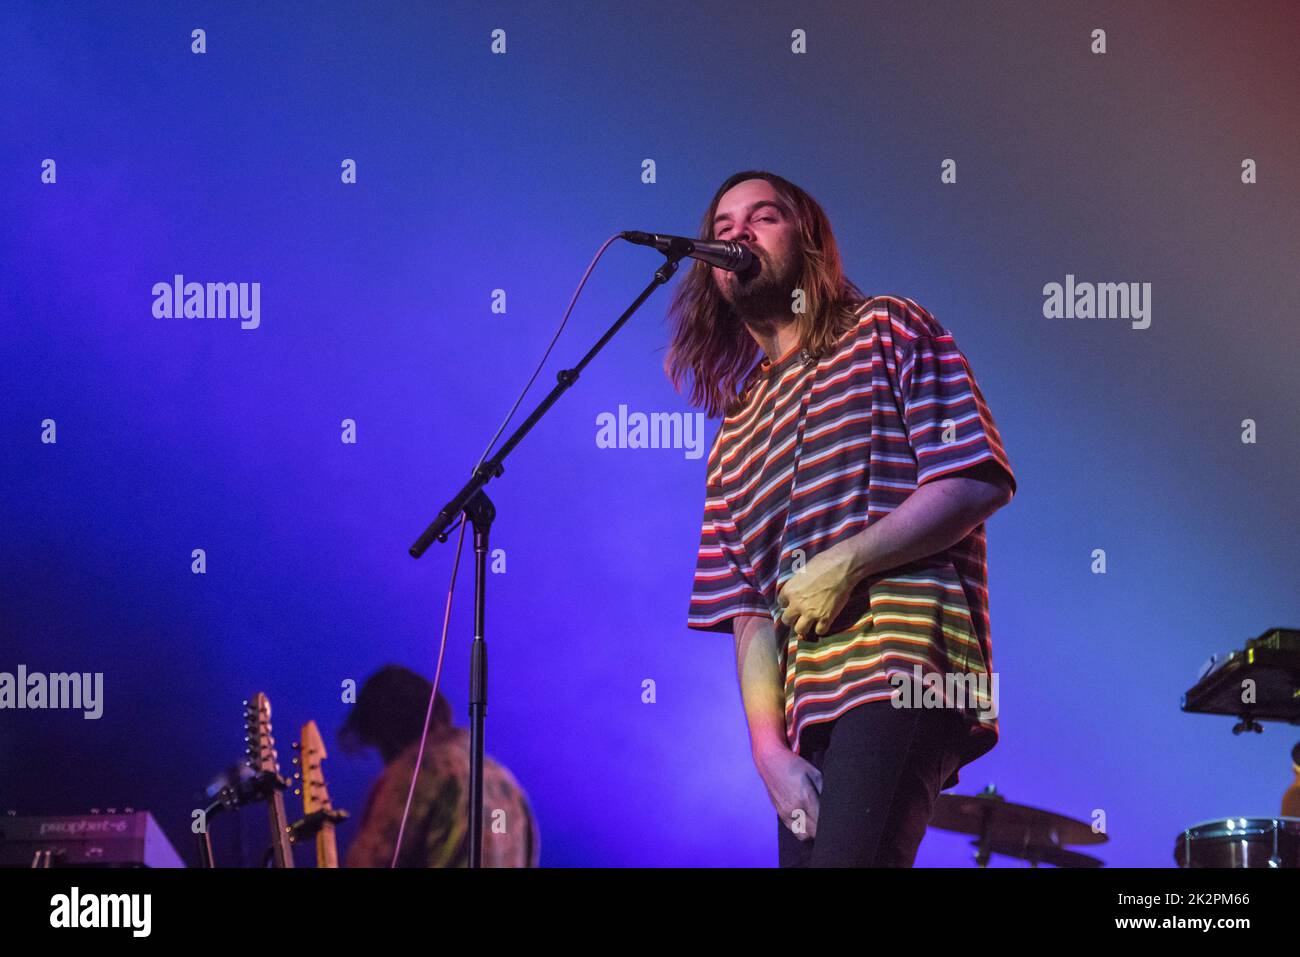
(820,449)
(437,833)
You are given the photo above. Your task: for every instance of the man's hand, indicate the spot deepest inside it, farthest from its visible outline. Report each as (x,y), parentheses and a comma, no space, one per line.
(933,518)
(816,594)
(793,785)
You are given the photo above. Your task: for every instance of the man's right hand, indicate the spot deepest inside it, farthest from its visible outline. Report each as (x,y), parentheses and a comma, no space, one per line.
(793,785)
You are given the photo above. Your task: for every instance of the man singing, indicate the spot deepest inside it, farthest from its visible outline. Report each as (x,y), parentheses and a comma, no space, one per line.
(843,537)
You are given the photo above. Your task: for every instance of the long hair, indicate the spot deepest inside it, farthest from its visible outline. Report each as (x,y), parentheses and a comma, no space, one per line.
(710,345)
(389,712)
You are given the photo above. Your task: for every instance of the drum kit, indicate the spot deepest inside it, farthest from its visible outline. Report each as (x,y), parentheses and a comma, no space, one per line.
(1015,830)
(1259,683)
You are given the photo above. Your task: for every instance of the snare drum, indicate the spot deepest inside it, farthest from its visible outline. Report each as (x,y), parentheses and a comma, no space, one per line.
(1240,842)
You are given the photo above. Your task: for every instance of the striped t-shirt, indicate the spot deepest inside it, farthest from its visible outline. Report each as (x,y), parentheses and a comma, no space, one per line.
(818,451)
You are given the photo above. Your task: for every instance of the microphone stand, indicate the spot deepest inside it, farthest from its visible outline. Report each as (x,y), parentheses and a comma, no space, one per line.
(480,511)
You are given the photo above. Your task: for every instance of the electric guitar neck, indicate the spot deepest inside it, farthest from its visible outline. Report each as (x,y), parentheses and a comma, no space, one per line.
(264,761)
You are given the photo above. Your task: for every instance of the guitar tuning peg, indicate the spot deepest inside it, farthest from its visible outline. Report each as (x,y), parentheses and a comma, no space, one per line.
(296,761)
(297,745)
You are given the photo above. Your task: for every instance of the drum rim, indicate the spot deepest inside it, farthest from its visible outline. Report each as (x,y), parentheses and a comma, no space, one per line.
(1250,826)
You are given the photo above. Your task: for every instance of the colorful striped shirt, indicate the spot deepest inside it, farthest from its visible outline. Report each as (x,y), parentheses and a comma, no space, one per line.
(820,449)
(437,830)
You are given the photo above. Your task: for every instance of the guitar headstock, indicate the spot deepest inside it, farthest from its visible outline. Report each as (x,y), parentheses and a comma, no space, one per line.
(311,752)
(262,756)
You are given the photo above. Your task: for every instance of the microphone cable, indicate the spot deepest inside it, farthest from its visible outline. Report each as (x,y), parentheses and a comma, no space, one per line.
(446,617)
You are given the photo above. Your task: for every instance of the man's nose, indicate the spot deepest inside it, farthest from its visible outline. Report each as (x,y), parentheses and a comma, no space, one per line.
(741,234)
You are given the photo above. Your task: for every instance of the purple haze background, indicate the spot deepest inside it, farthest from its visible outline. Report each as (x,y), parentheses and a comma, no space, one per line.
(478,172)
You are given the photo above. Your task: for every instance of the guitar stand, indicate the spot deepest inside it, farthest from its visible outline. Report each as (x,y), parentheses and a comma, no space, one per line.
(246,792)
(227,798)
(308,827)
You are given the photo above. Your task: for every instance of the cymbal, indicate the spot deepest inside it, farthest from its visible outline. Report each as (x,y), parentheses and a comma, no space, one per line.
(1042,854)
(1004,824)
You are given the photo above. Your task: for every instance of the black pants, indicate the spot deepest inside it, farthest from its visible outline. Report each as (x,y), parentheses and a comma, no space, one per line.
(882,768)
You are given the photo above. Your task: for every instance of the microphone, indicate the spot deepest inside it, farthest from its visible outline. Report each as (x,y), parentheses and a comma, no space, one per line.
(722,253)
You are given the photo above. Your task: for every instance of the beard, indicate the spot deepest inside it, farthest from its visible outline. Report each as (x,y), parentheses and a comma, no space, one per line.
(762,291)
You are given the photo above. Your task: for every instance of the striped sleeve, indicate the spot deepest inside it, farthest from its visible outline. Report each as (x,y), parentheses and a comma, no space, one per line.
(948,423)
(724,580)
